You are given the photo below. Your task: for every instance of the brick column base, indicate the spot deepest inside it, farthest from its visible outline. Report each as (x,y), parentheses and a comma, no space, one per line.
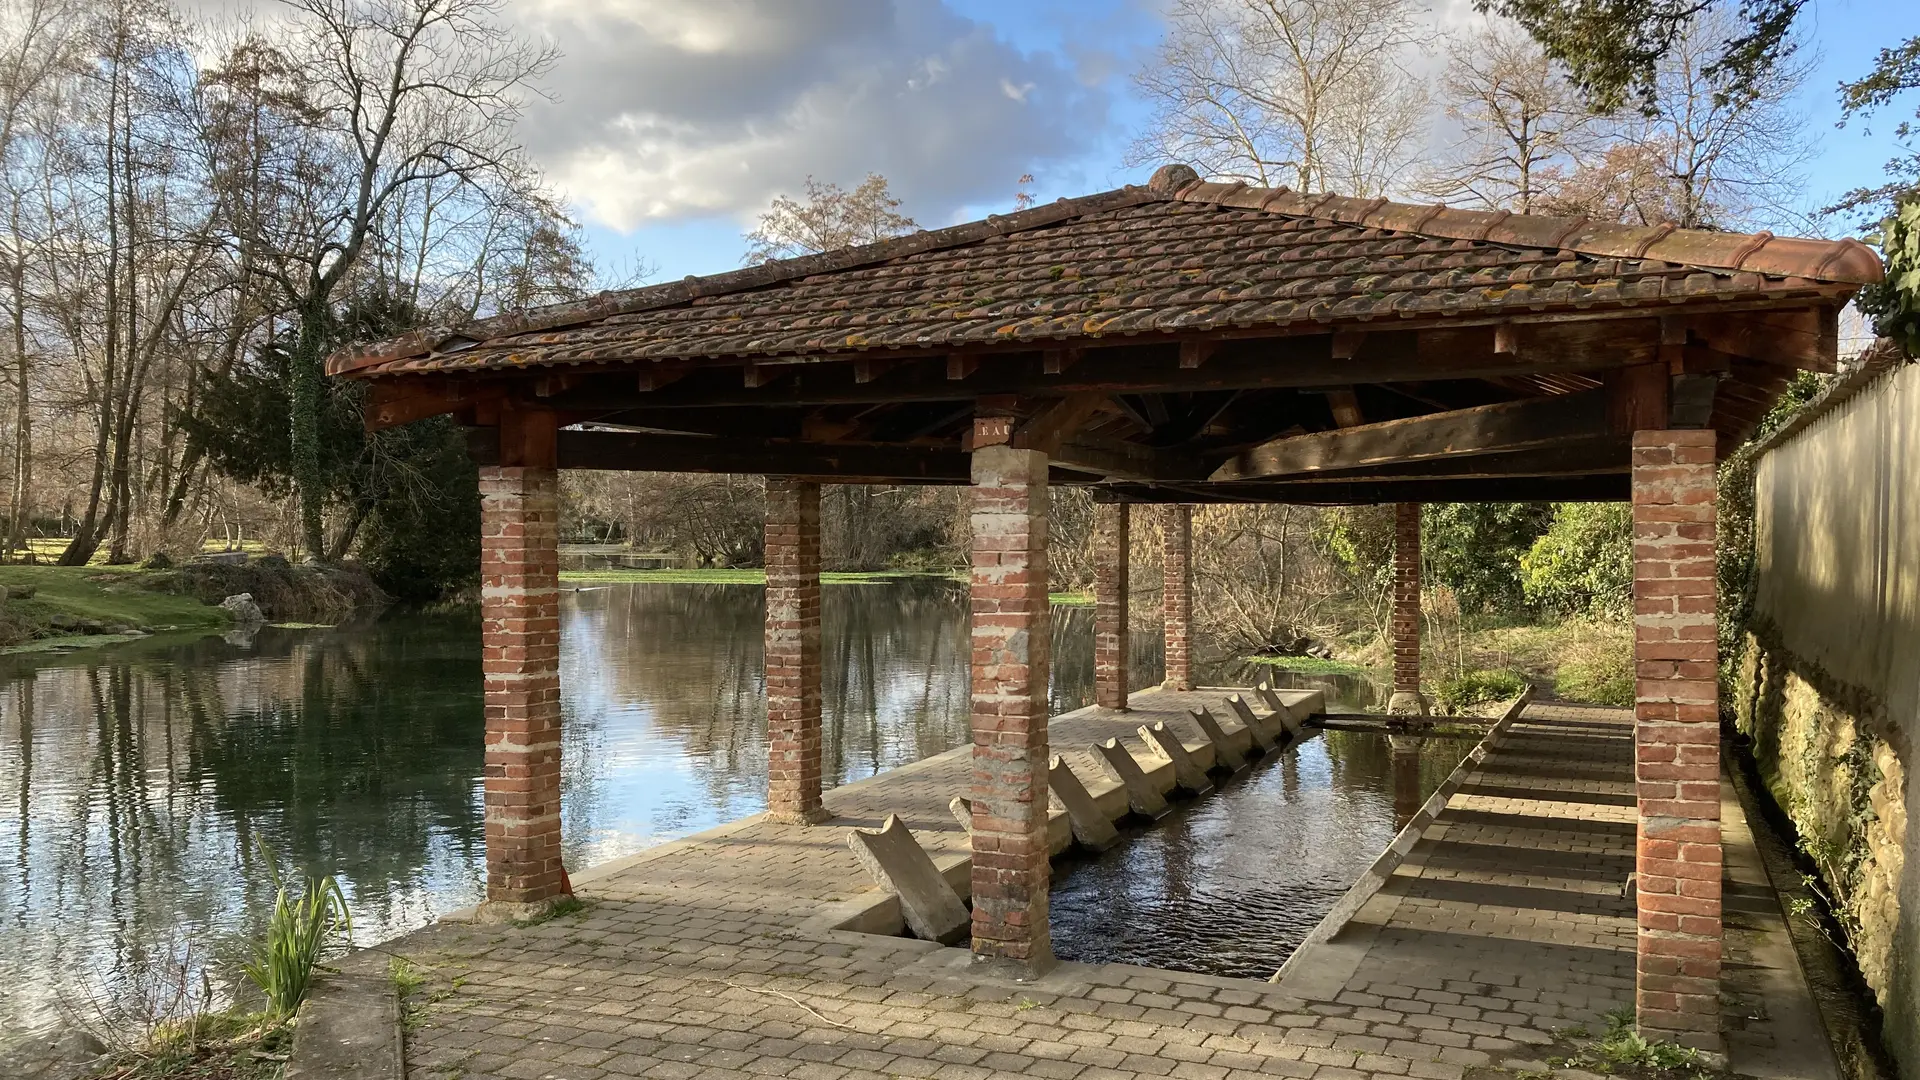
(1010,642)
(520,661)
(1407,699)
(1111,546)
(1676,738)
(1176,597)
(793,651)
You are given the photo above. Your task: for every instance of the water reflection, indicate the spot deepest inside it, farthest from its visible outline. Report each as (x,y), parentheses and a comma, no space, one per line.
(138,777)
(1231,883)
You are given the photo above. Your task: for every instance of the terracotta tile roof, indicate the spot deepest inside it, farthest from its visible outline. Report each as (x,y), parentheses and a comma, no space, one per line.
(1177,257)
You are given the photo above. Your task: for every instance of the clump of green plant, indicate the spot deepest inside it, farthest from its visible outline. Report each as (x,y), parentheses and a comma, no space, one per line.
(299,932)
(1624,1048)
(1595,667)
(1471,688)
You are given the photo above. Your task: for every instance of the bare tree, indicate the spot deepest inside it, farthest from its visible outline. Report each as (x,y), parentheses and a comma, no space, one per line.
(1524,126)
(831,217)
(396,96)
(1308,93)
(1703,155)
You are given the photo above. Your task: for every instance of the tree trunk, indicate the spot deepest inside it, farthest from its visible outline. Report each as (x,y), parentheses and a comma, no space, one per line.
(308,393)
(21,521)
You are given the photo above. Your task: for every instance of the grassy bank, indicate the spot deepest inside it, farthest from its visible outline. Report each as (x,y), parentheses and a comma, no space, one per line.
(1309,665)
(81,603)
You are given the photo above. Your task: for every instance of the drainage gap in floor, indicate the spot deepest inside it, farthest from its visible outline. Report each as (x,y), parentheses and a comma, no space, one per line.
(1231,884)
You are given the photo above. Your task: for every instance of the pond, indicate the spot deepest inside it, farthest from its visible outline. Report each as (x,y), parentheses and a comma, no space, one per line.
(137,781)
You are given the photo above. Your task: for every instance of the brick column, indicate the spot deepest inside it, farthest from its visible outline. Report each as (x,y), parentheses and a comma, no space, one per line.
(1676,737)
(1176,597)
(1111,546)
(520,661)
(793,651)
(1407,699)
(1010,639)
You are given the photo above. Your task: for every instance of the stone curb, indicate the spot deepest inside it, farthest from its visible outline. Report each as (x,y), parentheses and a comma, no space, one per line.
(350,1029)
(1381,871)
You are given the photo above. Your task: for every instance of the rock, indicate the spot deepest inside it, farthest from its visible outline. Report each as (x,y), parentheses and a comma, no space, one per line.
(92,626)
(60,1054)
(159,560)
(21,592)
(60,620)
(273,560)
(244,611)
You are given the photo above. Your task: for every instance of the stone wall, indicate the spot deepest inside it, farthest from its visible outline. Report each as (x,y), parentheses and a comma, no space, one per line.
(1827,679)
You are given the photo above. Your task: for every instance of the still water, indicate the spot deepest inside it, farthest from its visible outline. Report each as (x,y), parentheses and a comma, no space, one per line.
(136,780)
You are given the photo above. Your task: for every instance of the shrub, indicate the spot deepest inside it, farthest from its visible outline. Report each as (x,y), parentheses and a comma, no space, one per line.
(1477,687)
(1584,563)
(1595,667)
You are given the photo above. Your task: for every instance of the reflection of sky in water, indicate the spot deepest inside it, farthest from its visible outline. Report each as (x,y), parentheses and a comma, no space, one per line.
(136,779)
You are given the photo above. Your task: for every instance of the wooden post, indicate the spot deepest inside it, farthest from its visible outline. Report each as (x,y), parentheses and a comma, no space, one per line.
(793,651)
(1111,546)
(1407,699)
(1010,643)
(1676,738)
(1176,596)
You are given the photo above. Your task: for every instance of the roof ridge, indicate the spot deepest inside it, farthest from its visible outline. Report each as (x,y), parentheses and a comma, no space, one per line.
(430,339)
(1847,260)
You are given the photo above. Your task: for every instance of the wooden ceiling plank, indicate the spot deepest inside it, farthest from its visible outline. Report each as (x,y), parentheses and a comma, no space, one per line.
(1508,426)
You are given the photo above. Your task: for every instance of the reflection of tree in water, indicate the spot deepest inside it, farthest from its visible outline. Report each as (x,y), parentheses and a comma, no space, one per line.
(145,772)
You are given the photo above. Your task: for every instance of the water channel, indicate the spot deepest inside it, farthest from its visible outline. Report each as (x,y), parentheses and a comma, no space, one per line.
(136,780)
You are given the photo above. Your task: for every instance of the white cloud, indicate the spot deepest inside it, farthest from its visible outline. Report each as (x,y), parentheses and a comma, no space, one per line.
(674,108)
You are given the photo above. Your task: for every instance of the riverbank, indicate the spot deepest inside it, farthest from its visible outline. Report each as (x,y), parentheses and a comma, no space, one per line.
(753,576)
(57,607)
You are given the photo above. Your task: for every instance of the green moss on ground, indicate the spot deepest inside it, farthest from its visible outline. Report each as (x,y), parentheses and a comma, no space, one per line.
(1309,665)
(101,598)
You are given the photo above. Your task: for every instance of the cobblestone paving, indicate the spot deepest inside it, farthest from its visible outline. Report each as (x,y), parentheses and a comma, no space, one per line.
(693,961)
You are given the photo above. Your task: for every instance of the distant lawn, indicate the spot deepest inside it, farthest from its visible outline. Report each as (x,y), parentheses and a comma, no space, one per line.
(1309,665)
(111,596)
(1071,599)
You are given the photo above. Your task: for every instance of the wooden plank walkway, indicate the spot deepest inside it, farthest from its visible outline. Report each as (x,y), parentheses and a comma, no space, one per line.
(696,959)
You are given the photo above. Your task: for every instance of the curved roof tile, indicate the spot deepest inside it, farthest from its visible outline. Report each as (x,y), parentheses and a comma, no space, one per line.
(1178,254)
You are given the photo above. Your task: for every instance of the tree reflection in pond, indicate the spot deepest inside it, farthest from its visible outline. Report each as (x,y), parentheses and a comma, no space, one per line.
(138,777)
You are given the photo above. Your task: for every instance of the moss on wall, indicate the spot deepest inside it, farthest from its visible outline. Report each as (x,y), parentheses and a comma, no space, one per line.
(1822,755)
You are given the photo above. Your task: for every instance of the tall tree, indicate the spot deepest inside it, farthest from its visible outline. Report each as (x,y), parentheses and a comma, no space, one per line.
(1523,125)
(830,217)
(1705,153)
(399,95)
(1305,93)
(1614,48)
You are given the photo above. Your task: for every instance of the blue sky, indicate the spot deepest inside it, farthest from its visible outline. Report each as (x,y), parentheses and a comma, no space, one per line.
(717,107)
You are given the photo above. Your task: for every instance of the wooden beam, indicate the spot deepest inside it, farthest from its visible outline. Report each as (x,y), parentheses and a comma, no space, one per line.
(1488,429)
(1195,353)
(1346,407)
(1611,487)
(1116,459)
(637,452)
(1057,421)
(1807,339)
(655,376)
(1637,398)
(1587,457)
(393,402)
(1057,361)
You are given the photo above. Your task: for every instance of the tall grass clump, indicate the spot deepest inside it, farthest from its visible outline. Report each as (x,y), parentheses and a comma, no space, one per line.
(303,925)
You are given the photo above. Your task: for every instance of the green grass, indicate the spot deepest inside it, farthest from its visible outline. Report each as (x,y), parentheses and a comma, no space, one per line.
(109,596)
(742,576)
(1309,665)
(1071,599)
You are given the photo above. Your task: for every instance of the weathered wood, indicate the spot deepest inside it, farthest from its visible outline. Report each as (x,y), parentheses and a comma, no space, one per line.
(1057,421)
(1506,427)
(1610,487)
(637,452)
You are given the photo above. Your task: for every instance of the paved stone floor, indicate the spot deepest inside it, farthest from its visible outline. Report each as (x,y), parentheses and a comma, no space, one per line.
(1504,926)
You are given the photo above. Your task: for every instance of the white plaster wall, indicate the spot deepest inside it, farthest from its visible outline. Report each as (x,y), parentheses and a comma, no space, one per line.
(1837,539)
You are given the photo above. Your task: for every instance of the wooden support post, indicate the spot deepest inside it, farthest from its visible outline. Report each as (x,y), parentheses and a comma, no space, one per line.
(1110,558)
(1010,640)
(520,663)
(1407,699)
(1676,738)
(793,651)
(1176,595)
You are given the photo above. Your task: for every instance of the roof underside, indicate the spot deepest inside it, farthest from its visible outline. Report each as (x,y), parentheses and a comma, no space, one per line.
(1182,341)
